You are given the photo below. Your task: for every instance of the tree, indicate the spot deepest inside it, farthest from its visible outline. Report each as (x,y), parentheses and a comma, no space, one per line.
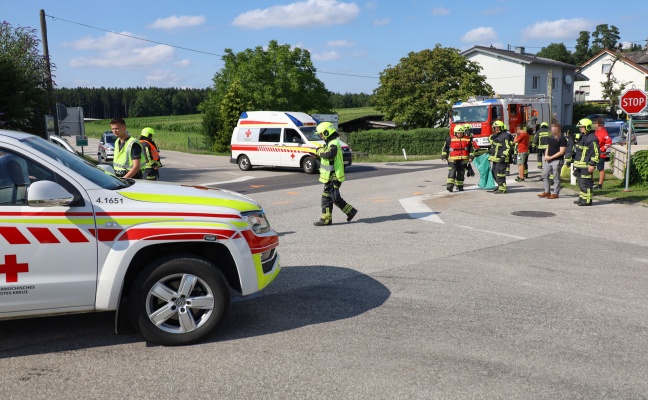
(556,51)
(420,90)
(604,37)
(582,52)
(278,77)
(611,91)
(230,110)
(149,103)
(24,101)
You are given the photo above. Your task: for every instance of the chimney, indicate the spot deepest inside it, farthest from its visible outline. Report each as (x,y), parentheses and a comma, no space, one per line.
(519,50)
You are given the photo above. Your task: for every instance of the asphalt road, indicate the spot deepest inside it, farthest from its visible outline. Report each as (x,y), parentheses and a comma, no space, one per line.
(427,294)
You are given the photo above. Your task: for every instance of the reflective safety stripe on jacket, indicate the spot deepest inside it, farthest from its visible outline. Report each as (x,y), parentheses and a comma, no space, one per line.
(500,146)
(326,168)
(122,160)
(543,138)
(151,153)
(460,148)
(586,151)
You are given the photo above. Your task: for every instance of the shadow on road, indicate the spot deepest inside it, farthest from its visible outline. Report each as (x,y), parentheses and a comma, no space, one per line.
(299,297)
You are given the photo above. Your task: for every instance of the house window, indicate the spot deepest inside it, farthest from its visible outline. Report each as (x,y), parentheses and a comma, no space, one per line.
(536,82)
(585,90)
(605,69)
(553,83)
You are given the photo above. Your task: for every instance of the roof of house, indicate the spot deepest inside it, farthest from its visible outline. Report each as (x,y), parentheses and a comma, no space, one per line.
(628,58)
(640,57)
(524,57)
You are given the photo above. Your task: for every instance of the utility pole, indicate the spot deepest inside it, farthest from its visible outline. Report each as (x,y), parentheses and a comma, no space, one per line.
(48,73)
(550,94)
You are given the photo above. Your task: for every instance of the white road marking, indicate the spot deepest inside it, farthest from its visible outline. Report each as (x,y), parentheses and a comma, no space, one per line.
(416,209)
(642,260)
(491,232)
(241,179)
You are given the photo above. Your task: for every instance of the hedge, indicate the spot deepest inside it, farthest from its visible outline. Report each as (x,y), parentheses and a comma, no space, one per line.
(424,141)
(639,167)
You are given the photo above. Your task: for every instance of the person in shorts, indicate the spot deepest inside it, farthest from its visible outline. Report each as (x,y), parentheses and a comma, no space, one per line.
(605,142)
(522,140)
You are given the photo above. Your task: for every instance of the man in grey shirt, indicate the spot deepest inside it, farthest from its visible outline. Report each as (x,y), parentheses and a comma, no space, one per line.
(553,160)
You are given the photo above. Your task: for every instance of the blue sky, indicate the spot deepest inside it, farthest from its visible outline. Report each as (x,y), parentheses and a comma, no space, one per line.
(344,37)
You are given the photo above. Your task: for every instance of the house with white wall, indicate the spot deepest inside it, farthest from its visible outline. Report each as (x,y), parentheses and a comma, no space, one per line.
(517,72)
(631,69)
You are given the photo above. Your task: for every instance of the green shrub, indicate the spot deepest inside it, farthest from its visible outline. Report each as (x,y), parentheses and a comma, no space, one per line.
(639,167)
(424,141)
(583,109)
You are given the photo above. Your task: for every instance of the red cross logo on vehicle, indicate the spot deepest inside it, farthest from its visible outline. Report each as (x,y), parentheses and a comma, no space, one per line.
(292,155)
(11,268)
(248,133)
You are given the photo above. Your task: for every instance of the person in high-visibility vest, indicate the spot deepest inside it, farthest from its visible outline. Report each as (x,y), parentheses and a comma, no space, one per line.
(151,155)
(458,152)
(128,152)
(540,141)
(331,175)
(500,150)
(586,156)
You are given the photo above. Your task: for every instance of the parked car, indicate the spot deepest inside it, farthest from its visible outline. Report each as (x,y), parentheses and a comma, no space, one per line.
(640,121)
(59,141)
(612,125)
(107,146)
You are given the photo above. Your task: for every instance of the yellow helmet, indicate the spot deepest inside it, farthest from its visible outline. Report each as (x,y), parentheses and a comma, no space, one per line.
(325,129)
(148,132)
(461,128)
(544,125)
(500,125)
(585,122)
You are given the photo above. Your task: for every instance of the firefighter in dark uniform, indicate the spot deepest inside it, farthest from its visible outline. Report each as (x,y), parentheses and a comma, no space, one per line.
(458,152)
(500,150)
(541,141)
(586,156)
(332,175)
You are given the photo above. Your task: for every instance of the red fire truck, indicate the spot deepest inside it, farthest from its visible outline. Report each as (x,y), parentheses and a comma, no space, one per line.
(514,110)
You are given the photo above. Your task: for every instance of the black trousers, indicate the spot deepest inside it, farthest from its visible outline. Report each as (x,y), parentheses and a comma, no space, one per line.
(456,173)
(585,181)
(331,196)
(499,174)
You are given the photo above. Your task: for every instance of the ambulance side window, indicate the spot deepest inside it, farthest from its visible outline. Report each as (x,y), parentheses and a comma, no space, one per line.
(291,136)
(270,135)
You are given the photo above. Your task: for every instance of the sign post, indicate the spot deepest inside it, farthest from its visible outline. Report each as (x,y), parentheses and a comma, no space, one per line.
(632,101)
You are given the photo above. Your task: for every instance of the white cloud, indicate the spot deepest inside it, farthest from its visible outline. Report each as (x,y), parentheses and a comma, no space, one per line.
(381,22)
(326,56)
(182,63)
(162,77)
(126,57)
(561,29)
(107,41)
(440,11)
(174,22)
(481,35)
(302,13)
(340,43)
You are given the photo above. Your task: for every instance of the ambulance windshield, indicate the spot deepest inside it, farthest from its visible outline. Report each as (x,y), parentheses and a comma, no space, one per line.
(310,133)
(470,114)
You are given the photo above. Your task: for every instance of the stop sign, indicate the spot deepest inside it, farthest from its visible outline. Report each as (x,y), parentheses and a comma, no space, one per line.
(632,101)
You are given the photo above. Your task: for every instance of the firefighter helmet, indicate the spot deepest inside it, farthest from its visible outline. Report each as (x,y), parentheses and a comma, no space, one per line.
(544,125)
(325,129)
(148,132)
(586,123)
(500,125)
(461,128)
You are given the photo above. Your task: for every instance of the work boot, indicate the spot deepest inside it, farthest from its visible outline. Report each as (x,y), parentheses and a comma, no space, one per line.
(323,222)
(544,194)
(449,187)
(351,214)
(460,188)
(584,204)
(578,202)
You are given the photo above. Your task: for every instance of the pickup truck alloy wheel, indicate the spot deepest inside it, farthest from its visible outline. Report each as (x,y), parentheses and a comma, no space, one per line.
(179,300)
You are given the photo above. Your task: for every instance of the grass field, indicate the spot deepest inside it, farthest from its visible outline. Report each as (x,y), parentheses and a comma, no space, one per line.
(175,132)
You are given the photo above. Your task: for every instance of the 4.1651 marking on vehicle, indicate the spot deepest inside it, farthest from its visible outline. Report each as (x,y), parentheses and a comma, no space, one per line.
(109,200)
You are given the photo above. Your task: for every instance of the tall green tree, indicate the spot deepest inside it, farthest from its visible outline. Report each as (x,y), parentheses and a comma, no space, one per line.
(24,99)
(419,91)
(612,88)
(149,103)
(604,37)
(230,110)
(556,51)
(278,77)
(582,52)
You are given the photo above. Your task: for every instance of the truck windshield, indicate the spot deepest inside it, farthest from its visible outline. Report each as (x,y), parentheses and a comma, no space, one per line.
(77,164)
(310,133)
(470,114)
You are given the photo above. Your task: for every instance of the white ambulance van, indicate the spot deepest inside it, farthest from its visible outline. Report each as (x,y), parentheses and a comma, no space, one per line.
(278,139)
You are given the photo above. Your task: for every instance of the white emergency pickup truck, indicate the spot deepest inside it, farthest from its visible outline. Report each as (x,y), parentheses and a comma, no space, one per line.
(74,238)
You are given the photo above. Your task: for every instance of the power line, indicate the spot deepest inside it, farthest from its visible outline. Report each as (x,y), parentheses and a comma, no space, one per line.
(181,47)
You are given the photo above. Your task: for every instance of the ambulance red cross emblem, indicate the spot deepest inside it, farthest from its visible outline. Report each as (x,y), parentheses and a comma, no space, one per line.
(292,155)
(11,268)
(248,133)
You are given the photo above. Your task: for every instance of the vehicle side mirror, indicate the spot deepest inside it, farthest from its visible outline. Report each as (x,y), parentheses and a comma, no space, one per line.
(48,194)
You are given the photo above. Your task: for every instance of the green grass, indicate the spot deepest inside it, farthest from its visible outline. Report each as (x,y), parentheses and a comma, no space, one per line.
(614,188)
(347,114)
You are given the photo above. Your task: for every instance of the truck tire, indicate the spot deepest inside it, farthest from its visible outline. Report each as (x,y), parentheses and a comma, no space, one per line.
(309,165)
(244,163)
(178,300)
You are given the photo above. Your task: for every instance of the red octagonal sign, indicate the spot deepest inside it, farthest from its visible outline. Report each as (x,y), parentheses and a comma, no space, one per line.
(632,101)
